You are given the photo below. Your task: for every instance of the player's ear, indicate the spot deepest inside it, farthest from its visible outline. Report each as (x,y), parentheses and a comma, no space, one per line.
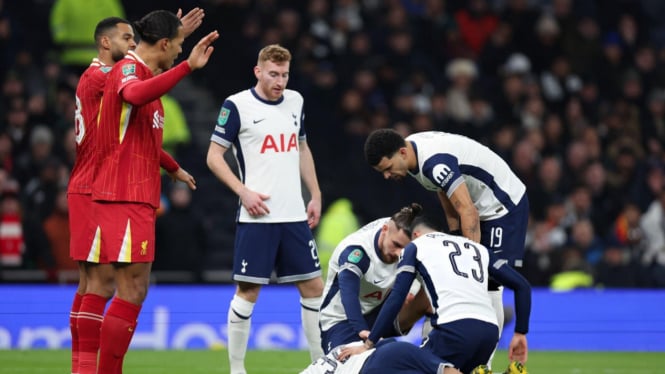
(105,42)
(164,43)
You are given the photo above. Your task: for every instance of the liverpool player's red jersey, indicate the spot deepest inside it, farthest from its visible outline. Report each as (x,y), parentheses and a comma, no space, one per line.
(129,140)
(88,98)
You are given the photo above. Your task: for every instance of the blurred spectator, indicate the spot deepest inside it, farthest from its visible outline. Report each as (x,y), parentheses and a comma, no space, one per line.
(56,229)
(653,124)
(583,238)
(578,206)
(583,47)
(29,164)
(180,234)
(611,67)
(575,272)
(547,187)
(12,244)
(72,22)
(39,194)
(617,269)
(547,43)
(545,241)
(476,23)
(10,38)
(461,73)
(653,227)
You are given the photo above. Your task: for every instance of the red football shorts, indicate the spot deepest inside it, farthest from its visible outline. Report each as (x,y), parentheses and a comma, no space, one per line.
(82,227)
(127,231)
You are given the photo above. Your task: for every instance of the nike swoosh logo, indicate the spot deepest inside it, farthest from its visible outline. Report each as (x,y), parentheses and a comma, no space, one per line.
(377,281)
(258,120)
(317,264)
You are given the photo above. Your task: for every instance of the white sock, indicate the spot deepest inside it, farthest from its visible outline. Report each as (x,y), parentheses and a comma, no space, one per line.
(238,324)
(309,315)
(497,304)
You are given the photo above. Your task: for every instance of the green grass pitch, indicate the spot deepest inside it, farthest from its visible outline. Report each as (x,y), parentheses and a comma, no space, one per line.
(283,362)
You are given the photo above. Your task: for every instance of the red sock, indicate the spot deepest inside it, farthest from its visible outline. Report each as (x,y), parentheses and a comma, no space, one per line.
(117,331)
(73,328)
(89,322)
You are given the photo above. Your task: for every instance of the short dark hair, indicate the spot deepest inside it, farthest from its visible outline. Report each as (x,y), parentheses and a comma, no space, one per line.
(427,221)
(157,25)
(382,143)
(405,217)
(106,25)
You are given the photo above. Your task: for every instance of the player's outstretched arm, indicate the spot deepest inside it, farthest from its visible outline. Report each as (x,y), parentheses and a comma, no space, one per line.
(201,52)
(191,21)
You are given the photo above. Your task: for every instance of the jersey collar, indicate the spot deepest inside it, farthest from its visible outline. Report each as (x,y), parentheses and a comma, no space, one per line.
(259,98)
(415,153)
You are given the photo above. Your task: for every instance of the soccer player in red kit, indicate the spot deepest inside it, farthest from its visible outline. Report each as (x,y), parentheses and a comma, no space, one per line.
(114,38)
(126,188)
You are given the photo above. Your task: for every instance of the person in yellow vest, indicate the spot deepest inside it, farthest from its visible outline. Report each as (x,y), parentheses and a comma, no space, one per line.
(176,130)
(72,22)
(336,223)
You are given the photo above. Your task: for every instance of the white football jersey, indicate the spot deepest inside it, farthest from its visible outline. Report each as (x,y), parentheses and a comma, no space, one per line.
(358,253)
(453,271)
(329,364)
(446,160)
(265,137)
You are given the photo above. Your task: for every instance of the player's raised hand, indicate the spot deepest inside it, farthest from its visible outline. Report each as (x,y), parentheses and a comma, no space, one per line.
(201,52)
(191,21)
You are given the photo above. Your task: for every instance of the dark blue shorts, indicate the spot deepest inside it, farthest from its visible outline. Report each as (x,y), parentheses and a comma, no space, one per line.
(506,236)
(287,248)
(466,343)
(401,358)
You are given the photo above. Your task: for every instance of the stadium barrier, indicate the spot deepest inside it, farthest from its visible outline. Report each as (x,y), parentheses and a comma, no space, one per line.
(194,317)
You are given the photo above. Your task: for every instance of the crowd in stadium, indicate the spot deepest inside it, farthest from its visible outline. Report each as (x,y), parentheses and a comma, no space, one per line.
(570,93)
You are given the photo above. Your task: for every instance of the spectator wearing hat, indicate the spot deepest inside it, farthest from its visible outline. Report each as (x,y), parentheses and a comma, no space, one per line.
(29,164)
(546,44)
(461,73)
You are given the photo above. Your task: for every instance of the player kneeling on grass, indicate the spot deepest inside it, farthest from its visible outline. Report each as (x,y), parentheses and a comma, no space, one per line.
(388,357)
(454,272)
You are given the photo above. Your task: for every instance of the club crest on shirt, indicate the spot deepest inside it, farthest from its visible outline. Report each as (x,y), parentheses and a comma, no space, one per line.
(355,256)
(128,69)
